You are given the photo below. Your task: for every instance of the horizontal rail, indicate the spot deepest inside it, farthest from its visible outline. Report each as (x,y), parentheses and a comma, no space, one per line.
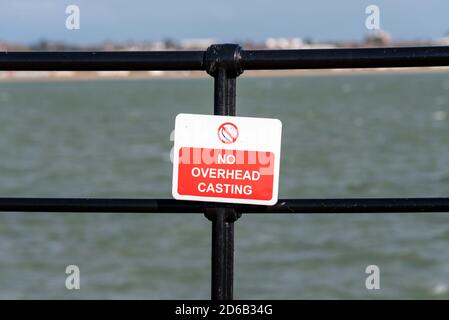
(249,59)
(346,58)
(361,205)
(102,61)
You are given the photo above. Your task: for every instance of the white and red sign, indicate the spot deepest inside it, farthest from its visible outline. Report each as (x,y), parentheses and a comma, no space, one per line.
(226,159)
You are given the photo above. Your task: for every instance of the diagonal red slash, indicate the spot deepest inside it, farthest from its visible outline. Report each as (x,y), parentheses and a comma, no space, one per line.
(222,129)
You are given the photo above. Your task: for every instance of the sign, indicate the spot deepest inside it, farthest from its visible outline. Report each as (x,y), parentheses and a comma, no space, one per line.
(226,159)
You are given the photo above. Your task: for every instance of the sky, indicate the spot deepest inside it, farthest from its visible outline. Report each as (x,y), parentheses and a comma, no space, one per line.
(26,21)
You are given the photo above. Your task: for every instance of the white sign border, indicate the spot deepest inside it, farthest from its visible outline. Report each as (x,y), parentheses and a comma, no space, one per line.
(177,147)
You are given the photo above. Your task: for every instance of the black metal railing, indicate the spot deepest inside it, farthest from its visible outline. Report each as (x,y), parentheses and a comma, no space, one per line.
(225,62)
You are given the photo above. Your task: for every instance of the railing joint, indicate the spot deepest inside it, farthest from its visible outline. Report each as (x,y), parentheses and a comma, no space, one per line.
(223,56)
(231,214)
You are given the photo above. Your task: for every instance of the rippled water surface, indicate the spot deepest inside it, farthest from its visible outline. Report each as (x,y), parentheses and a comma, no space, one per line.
(348,136)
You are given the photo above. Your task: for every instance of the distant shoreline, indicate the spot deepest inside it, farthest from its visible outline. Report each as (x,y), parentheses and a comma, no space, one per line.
(154,75)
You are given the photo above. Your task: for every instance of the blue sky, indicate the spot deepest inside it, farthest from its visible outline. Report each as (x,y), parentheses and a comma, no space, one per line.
(31,20)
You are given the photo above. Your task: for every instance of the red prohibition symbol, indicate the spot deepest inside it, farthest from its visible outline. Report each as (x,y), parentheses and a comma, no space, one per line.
(228,132)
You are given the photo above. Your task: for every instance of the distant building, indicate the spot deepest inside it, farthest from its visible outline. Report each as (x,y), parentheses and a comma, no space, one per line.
(284,43)
(319,46)
(197,43)
(443,41)
(4,46)
(378,38)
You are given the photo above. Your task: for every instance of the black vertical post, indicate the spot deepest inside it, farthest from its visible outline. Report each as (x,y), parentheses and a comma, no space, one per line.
(223,63)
